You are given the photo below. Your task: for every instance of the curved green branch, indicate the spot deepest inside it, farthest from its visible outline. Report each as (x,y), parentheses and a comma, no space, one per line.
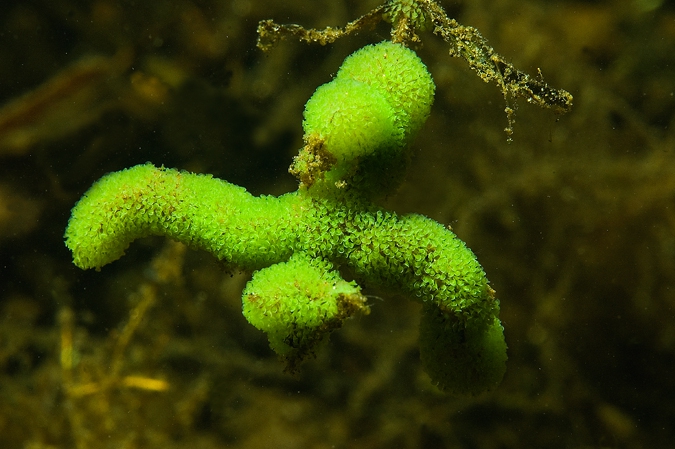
(299,240)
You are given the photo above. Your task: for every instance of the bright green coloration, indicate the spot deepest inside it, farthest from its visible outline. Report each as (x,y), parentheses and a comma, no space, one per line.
(296,315)
(401,76)
(395,86)
(358,126)
(298,241)
(200,211)
(353,119)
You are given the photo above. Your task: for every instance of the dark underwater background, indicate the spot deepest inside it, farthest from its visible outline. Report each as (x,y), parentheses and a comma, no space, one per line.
(574,223)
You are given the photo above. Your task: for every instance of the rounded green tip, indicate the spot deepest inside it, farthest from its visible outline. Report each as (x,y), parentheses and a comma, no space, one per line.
(377,103)
(352,119)
(462,357)
(400,75)
(297,303)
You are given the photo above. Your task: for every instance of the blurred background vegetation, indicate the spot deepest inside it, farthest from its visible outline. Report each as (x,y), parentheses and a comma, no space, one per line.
(574,223)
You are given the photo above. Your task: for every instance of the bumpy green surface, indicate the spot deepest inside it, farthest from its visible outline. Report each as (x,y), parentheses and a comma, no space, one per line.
(400,75)
(298,241)
(353,118)
(297,302)
(384,85)
(361,123)
(201,211)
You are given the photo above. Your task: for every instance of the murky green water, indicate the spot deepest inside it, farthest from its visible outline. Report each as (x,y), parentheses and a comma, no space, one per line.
(573,222)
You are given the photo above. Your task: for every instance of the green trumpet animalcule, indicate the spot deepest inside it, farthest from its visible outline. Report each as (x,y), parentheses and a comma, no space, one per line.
(357,131)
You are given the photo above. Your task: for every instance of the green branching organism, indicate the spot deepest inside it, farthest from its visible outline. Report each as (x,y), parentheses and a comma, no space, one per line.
(302,246)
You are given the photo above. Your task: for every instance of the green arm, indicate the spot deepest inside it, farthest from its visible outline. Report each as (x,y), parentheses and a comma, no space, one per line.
(197,210)
(355,127)
(411,252)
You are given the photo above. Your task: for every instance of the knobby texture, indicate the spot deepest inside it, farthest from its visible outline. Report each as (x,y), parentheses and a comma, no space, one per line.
(299,241)
(572,222)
